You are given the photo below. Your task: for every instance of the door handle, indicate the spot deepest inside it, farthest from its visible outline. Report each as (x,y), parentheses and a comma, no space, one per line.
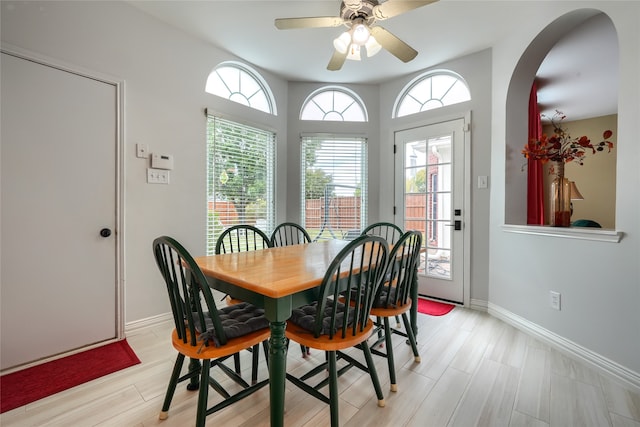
(105,232)
(457,225)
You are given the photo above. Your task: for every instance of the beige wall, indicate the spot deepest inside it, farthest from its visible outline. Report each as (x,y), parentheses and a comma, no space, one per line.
(596,178)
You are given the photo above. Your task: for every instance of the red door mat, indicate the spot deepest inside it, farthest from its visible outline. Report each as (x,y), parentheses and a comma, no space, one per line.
(31,384)
(433,308)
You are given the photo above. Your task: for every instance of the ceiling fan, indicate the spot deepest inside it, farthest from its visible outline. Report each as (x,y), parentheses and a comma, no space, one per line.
(359,16)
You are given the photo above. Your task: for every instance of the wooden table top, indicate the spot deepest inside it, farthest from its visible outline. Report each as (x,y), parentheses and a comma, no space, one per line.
(274,272)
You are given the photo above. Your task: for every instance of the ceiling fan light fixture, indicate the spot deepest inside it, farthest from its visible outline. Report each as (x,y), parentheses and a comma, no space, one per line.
(360,34)
(341,44)
(372,46)
(360,17)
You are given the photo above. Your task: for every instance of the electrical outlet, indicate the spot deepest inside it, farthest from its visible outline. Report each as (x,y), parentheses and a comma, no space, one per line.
(555,300)
(157,176)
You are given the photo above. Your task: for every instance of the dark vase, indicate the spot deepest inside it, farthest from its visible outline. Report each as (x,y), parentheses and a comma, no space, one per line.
(560,215)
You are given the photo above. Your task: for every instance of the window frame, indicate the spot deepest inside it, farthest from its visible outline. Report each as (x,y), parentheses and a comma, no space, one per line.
(215,227)
(360,153)
(414,83)
(251,73)
(313,96)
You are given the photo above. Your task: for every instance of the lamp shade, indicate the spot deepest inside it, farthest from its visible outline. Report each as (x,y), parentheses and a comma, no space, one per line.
(372,46)
(342,42)
(575,193)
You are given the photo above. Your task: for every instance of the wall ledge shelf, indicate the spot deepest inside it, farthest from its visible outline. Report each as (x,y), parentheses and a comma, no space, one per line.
(581,233)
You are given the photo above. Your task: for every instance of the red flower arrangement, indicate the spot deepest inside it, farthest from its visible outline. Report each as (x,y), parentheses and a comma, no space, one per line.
(561,147)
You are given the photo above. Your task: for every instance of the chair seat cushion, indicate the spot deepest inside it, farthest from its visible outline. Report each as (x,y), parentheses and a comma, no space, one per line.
(382,298)
(305,317)
(381,301)
(237,320)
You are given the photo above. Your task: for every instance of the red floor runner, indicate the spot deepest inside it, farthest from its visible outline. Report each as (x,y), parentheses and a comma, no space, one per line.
(31,384)
(433,308)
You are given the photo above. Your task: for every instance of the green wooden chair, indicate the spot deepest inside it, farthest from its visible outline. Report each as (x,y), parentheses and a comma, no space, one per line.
(241,238)
(393,298)
(289,233)
(340,318)
(390,232)
(205,334)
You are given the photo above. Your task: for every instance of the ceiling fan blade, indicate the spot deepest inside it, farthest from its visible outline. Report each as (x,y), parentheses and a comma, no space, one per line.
(337,60)
(392,8)
(394,45)
(314,22)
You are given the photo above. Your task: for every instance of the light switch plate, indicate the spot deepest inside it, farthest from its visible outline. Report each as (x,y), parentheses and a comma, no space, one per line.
(555,300)
(157,176)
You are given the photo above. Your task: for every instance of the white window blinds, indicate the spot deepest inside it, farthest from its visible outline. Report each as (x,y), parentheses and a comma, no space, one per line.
(334,185)
(240,177)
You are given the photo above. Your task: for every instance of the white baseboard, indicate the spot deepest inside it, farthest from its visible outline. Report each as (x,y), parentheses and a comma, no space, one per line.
(562,344)
(479,305)
(145,323)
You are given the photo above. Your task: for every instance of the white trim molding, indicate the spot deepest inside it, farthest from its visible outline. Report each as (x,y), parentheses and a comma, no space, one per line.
(478,304)
(598,361)
(582,233)
(136,325)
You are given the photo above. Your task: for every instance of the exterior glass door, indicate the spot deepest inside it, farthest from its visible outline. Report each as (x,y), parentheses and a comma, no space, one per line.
(431,179)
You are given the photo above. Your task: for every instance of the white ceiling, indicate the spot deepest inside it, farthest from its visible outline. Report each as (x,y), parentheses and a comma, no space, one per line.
(440,32)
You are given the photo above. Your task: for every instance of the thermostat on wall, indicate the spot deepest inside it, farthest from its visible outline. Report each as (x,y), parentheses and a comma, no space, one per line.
(161,161)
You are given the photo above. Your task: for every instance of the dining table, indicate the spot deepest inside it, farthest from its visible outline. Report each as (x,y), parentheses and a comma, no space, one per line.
(277,279)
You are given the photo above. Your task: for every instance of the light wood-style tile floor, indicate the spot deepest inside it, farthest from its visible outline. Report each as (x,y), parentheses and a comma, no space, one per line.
(475,371)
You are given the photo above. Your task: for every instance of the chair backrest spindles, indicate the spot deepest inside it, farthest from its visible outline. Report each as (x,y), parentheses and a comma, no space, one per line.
(192,302)
(401,270)
(289,233)
(388,231)
(354,274)
(241,238)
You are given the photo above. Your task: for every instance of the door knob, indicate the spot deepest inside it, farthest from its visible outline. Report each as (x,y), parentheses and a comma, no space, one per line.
(105,232)
(457,225)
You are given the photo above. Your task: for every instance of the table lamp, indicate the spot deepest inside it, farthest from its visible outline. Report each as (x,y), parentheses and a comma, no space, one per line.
(575,194)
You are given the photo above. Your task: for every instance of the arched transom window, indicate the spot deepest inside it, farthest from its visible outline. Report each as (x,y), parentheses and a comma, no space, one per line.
(429,91)
(240,83)
(334,104)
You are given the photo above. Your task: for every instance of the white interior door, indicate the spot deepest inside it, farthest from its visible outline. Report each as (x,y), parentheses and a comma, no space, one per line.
(430,170)
(59,190)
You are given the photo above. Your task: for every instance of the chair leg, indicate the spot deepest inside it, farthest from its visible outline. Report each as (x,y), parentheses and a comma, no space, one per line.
(254,365)
(203,394)
(305,350)
(265,346)
(390,359)
(236,363)
(412,338)
(194,366)
(333,389)
(373,373)
(173,382)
